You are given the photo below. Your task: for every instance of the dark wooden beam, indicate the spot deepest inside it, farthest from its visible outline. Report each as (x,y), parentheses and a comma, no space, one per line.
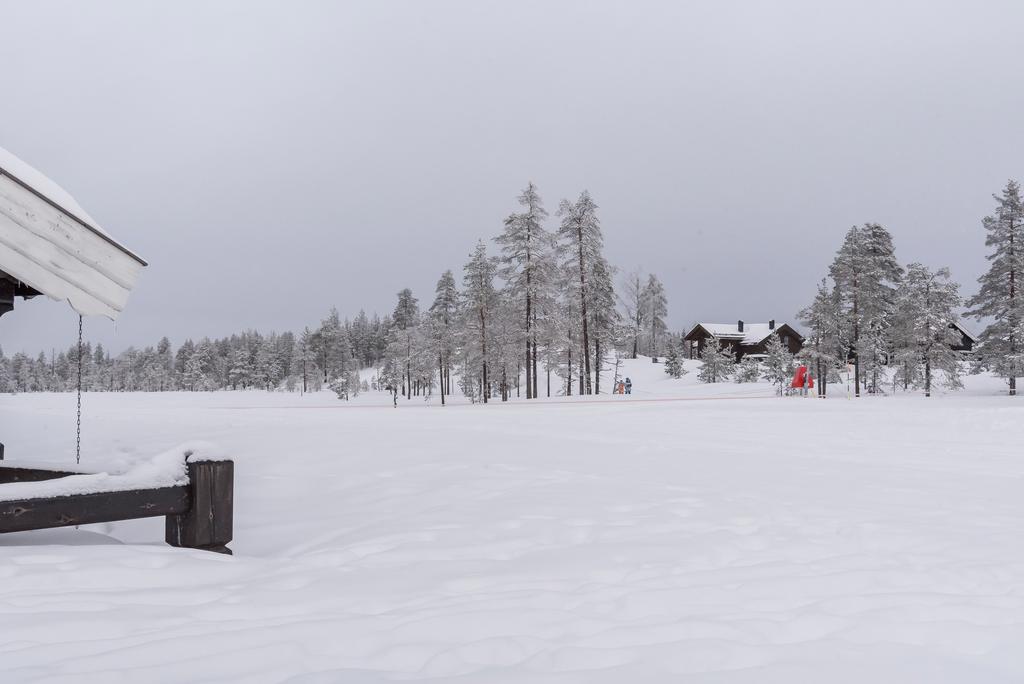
(208,523)
(200,515)
(85,509)
(30,474)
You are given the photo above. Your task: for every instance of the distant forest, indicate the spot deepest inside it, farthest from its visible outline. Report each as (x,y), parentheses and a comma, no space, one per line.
(538,314)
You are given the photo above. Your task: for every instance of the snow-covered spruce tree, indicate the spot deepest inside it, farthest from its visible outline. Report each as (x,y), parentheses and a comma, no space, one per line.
(552,327)
(866,272)
(391,376)
(480,302)
(305,358)
(405,321)
(718,362)
(655,305)
(580,230)
(633,302)
(932,304)
(567,334)
(823,349)
(442,323)
(1001,346)
(6,377)
(778,363)
(525,246)
(674,362)
(504,345)
(603,315)
(330,345)
(346,385)
(747,370)
(905,358)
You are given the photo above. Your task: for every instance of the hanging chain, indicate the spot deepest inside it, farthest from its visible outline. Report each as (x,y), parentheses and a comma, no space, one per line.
(78,417)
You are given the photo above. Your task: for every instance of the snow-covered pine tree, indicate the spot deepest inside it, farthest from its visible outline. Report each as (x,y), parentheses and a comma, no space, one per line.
(481,300)
(633,302)
(747,370)
(905,357)
(525,246)
(934,300)
(866,272)
(443,316)
(331,346)
(655,305)
(823,349)
(305,357)
(6,378)
(406,319)
(238,371)
(1001,346)
(778,363)
(505,363)
(580,230)
(165,365)
(603,315)
(567,333)
(674,362)
(718,362)
(346,385)
(391,376)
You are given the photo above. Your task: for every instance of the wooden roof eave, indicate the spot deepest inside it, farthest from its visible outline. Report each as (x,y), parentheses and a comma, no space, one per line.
(99,233)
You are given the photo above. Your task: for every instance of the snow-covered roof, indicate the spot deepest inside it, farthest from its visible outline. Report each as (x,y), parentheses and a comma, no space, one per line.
(753,333)
(50,243)
(960,326)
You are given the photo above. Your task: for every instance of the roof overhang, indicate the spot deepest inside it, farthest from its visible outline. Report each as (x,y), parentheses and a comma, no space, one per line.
(56,249)
(967,333)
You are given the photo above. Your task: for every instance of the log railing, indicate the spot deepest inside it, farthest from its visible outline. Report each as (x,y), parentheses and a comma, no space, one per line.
(199,515)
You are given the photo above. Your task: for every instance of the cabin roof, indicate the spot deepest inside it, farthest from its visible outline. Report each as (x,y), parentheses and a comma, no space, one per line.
(51,244)
(967,333)
(753,333)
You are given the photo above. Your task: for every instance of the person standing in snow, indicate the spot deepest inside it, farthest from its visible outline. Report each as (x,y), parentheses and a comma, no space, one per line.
(629,386)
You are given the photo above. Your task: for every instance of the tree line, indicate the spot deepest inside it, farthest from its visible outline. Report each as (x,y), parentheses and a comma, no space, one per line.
(537,314)
(875,314)
(871,311)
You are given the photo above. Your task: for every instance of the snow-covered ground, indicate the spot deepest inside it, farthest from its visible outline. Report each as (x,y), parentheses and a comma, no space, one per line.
(685,533)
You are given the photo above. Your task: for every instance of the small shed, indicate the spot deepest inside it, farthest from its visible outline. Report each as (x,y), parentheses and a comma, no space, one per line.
(741,338)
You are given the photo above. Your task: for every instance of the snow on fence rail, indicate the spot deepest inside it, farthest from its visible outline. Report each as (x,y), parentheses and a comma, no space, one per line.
(192,485)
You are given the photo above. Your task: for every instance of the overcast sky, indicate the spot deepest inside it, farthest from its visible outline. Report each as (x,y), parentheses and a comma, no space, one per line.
(271,160)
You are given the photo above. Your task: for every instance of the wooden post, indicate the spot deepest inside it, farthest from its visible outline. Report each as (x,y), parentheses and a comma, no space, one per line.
(207,524)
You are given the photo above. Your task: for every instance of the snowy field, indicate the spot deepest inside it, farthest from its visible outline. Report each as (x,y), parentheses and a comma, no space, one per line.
(685,533)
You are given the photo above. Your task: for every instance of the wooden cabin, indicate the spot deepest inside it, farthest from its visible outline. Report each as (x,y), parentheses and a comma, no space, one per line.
(967,339)
(741,338)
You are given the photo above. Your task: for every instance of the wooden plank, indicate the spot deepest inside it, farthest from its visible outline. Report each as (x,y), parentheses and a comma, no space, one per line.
(60,257)
(85,509)
(65,231)
(8,475)
(208,524)
(61,201)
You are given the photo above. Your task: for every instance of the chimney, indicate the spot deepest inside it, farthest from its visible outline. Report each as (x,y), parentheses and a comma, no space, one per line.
(771,324)
(739,324)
